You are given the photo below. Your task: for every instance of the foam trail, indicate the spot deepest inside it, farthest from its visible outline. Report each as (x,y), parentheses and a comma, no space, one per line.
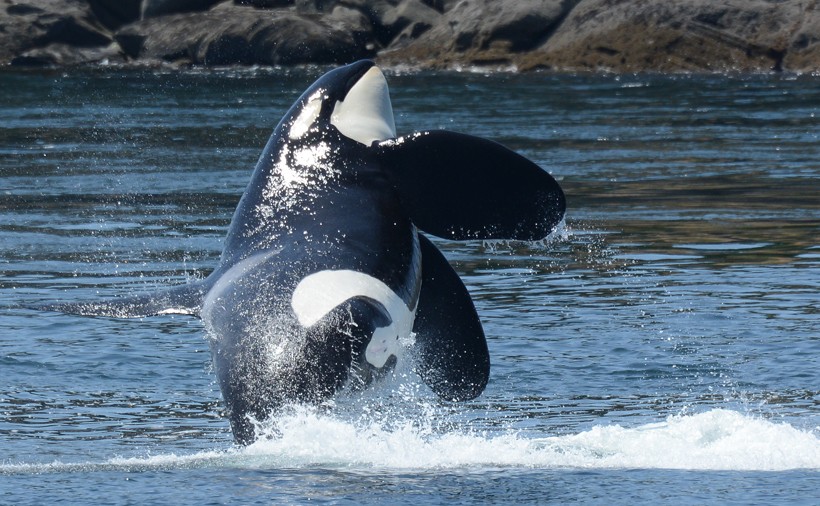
(714,440)
(198,460)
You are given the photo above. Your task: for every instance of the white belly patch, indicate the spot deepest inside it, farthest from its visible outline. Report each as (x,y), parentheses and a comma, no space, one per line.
(319,293)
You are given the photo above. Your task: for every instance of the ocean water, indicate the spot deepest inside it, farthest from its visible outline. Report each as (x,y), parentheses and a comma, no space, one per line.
(662,347)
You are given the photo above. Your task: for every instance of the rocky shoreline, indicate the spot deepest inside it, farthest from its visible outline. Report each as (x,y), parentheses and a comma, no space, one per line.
(522,35)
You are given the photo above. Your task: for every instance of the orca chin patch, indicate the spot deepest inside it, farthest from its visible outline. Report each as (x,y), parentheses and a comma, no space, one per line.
(321,292)
(366,114)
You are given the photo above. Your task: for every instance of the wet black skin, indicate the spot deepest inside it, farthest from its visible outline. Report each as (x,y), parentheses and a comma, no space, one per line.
(353,220)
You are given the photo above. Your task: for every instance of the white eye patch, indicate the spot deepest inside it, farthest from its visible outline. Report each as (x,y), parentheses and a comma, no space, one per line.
(307,117)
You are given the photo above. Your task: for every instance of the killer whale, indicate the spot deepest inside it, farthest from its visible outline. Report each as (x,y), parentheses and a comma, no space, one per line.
(326,275)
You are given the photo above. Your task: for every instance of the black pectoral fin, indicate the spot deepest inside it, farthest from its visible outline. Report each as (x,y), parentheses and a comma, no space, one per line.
(452,351)
(462,187)
(183,299)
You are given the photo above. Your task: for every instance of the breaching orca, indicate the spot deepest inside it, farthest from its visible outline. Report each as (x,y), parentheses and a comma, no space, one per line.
(325,278)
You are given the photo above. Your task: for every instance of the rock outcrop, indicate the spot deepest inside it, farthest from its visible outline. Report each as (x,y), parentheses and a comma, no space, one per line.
(561,35)
(625,36)
(691,35)
(232,34)
(482,32)
(52,32)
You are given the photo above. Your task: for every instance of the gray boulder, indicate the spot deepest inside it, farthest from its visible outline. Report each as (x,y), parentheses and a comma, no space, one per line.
(573,35)
(408,20)
(803,51)
(482,31)
(685,35)
(519,25)
(234,34)
(620,36)
(354,22)
(38,28)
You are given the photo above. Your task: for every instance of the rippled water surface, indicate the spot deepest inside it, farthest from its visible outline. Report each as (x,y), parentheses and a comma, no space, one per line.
(663,347)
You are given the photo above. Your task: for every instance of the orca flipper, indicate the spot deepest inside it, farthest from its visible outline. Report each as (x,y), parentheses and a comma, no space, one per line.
(183,299)
(457,186)
(452,351)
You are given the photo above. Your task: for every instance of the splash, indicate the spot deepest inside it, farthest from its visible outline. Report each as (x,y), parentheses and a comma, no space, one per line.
(306,438)
(562,233)
(714,440)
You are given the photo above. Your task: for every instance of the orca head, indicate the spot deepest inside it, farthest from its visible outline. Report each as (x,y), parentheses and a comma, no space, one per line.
(353,99)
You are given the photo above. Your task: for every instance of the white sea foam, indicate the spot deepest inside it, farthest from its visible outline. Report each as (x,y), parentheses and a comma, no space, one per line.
(714,440)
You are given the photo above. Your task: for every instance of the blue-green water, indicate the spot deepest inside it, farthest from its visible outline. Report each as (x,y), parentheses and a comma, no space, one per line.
(663,347)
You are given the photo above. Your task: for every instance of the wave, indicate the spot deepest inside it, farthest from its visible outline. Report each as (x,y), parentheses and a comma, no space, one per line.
(718,439)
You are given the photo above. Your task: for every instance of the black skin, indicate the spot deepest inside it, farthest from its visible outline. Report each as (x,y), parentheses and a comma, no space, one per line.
(356,209)
(352,221)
